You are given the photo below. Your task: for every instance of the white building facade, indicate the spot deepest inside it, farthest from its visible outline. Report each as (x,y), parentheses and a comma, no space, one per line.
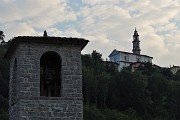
(125,59)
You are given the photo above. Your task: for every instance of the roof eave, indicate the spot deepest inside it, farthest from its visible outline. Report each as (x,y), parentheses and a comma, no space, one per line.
(47,40)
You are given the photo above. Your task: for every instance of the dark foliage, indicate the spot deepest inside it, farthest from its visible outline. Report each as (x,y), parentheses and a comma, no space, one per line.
(147,94)
(150,93)
(4,76)
(1,35)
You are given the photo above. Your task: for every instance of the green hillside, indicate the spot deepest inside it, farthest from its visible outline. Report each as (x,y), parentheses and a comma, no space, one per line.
(147,94)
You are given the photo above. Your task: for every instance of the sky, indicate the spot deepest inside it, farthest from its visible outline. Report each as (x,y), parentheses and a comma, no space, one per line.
(107,24)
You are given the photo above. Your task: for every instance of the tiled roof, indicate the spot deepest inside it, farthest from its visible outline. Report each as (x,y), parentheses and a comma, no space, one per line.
(129,53)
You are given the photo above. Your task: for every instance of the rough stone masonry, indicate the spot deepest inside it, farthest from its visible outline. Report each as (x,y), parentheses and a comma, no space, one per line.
(27,81)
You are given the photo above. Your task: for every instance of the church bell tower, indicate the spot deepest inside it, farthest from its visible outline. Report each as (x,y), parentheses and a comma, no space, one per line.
(136,43)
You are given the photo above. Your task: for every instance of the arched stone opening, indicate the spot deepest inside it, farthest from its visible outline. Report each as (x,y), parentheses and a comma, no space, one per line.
(50,74)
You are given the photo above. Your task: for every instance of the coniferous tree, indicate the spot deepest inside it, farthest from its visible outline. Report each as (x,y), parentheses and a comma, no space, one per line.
(2,35)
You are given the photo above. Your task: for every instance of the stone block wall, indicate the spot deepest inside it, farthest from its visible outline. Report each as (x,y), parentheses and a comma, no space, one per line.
(25,89)
(57,109)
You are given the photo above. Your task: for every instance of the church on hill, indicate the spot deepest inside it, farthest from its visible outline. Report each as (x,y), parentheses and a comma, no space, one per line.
(125,59)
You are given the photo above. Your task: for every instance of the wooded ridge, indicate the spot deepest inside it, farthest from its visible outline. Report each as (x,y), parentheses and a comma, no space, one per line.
(146,94)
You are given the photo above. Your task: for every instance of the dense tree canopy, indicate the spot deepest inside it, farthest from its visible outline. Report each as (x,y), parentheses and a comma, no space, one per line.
(147,94)
(1,35)
(4,76)
(150,93)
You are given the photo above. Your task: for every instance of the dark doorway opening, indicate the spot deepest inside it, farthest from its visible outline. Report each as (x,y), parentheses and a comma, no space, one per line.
(50,74)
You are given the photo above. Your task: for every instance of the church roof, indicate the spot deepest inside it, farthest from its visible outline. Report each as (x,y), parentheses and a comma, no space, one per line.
(46,40)
(117,51)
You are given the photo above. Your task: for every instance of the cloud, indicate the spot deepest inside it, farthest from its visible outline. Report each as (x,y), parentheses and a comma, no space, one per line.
(36,11)
(18,29)
(66,33)
(102,45)
(116,21)
(95,2)
(36,14)
(108,24)
(106,18)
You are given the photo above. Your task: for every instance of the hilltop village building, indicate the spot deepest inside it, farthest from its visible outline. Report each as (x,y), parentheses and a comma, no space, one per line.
(125,59)
(174,69)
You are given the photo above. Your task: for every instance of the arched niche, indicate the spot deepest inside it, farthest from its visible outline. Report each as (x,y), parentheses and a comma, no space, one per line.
(50,74)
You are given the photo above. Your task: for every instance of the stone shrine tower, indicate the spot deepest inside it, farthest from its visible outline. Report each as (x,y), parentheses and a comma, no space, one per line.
(45,78)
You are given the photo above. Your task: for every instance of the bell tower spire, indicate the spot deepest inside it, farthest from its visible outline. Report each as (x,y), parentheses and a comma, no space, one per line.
(136,43)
